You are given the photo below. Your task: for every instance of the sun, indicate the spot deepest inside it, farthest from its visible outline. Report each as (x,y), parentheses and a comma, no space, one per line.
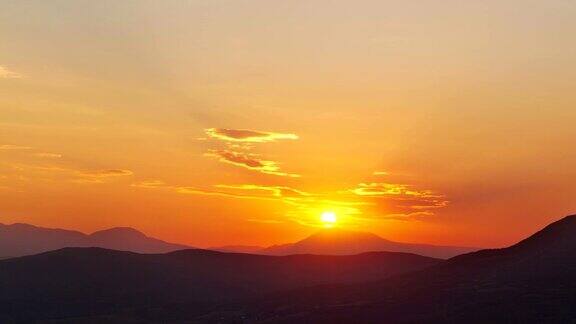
(329,218)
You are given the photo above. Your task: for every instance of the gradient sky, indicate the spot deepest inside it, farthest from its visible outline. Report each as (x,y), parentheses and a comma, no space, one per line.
(239,122)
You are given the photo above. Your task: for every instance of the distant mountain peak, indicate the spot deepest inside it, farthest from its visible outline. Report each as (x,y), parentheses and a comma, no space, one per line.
(119,231)
(338,234)
(22,225)
(337,241)
(25,239)
(33,229)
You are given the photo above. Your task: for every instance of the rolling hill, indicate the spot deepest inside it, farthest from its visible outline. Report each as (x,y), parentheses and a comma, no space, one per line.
(77,282)
(237,249)
(533,281)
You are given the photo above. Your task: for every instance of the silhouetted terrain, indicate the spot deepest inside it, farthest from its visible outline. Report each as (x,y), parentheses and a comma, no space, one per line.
(334,241)
(84,282)
(532,281)
(23,239)
(237,249)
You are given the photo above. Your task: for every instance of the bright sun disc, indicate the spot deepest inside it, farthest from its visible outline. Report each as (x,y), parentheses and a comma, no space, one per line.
(328,217)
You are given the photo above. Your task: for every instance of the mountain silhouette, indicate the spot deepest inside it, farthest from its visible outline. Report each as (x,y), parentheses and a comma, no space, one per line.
(237,249)
(533,281)
(24,239)
(129,239)
(334,241)
(77,282)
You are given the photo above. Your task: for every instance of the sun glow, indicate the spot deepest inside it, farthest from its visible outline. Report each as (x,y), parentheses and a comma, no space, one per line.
(329,218)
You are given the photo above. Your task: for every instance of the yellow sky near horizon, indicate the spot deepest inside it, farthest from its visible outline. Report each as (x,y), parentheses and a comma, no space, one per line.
(240,122)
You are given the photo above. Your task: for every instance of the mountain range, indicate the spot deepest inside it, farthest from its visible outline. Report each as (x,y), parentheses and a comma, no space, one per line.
(24,239)
(94,282)
(533,281)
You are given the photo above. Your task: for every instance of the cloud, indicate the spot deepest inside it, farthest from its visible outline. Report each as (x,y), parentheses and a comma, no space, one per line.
(276,191)
(376,189)
(197,191)
(239,145)
(107,173)
(189,190)
(381,173)
(150,184)
(303,207)
(249,161)
(400,201)
(251,136)
(50,172)
(48,155)
(416,216)
(10,147)
(296,198)
(7,74)
(101,176)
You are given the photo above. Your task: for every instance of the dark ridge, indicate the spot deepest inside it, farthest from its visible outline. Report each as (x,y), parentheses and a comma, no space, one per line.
(533,281)
(556,236)
(91,282)
(119,231)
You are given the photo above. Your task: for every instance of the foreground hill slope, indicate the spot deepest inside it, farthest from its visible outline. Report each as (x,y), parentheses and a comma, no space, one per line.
(24,239)
(252,249)
(89,281)
(334,241)
(532,281)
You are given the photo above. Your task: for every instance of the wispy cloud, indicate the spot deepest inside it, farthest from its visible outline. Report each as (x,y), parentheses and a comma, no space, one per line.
(151,184)
(190,190)
(301,204)
(48,155)
(10,147)
(245,135)
(239,145)
(34,151)
(198,191)
(376,189)
(400,201)
(107,173)
(101,176)
(63,173)
(5,73)
(276,191)
(249,161)
(370,200)
(415,216)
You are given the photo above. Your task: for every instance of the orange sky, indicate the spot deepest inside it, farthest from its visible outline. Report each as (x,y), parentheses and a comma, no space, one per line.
(240,122)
